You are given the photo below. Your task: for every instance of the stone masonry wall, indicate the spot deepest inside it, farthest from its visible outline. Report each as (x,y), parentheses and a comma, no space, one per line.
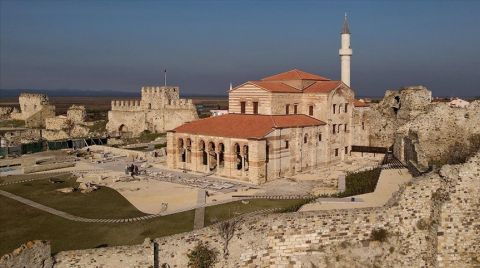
(32,254)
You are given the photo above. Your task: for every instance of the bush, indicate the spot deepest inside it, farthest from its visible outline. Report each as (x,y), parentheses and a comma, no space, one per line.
(422,224)
(379,235)
(361,182)
(202,256)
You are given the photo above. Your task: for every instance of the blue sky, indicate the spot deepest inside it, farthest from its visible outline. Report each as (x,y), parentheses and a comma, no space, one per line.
(122,45)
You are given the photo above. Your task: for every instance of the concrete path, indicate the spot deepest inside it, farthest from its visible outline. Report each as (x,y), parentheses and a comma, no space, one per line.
(199,221)
(389,182)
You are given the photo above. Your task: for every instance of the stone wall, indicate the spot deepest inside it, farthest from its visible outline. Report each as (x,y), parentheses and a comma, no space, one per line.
(77,114)
(395,109)
(35,108)
(7,111)
(431,222)
(428,138)
(32,254)
(160,109)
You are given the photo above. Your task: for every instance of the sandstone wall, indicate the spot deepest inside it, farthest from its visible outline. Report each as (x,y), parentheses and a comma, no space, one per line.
(395,109)
(77,114)
(32,254)
(433,132)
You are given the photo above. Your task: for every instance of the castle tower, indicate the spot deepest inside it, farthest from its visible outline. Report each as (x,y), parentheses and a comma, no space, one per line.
(345,52)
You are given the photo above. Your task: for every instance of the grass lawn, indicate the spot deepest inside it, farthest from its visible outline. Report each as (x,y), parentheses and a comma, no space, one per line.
(361,182)
(102,203)
(21,223)
(217,213)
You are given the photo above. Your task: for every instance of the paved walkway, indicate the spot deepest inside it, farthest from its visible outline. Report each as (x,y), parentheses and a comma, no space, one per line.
(389,182)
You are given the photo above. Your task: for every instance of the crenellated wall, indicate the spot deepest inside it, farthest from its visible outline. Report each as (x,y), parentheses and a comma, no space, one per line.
(159,109)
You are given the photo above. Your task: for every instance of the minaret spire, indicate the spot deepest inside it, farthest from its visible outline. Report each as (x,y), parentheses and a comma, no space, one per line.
(231,87)
(345,52)
(345,29)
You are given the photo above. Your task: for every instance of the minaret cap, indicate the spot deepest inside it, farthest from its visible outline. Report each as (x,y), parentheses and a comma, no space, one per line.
(345,29)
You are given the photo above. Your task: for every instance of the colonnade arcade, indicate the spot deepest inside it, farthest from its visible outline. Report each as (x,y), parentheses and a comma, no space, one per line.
(212,156)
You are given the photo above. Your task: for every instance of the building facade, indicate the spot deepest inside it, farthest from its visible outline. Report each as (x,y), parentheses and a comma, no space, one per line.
(158,110)
(306,121)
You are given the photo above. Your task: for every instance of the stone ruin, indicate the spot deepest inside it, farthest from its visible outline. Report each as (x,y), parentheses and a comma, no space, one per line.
(34,109)
(35,253)
(72,125)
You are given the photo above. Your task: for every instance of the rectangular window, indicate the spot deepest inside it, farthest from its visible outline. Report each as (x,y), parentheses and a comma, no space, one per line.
(334,129)
(255,107)
(363,125)
(336,152)
(295,107)
(320,137)
(346,150)
(339,127)
(287,109)
(267,153)
(346,128)
(310,110)
(242,107)
(334,108)
(286,144)
(346,107)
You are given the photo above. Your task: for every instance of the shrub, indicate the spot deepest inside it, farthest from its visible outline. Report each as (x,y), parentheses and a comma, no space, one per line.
(202,256)
(361,182)
(422,224)
(379,234)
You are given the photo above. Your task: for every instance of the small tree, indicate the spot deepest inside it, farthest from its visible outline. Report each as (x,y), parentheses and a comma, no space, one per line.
(202,256)
(226,230)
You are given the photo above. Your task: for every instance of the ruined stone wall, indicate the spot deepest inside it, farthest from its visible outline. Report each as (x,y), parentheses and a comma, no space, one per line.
(77,114)
(428,137)
(32,254)
(395,109)
(6,112)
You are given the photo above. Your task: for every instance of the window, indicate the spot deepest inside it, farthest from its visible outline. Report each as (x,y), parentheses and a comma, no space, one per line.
(334,129)
(255,107)
(346,129)
(346,107)
(336,152)
(242,107)
(363,125)
(310,110)
(339,127)
(287,109)
(305,138)
(346,150)
(320,137)
(295,109)
(149,106)
(286,144)
(334,108)
(340,108)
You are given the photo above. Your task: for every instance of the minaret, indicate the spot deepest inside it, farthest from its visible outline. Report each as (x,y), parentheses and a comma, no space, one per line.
(345,52)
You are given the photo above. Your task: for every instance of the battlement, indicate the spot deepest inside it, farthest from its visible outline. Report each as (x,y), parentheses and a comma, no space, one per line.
(158,89)
(179,104)
(126,105)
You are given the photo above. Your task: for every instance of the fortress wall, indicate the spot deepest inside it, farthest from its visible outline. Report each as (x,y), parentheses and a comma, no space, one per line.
(126,105)
(31,254)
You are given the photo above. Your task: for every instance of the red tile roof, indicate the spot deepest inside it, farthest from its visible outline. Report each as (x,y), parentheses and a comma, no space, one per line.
(358,103)
(245,125)
(322,86)
(275,86)
(295,74)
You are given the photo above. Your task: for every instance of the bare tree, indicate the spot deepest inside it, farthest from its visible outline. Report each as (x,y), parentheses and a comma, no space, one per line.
(226,230)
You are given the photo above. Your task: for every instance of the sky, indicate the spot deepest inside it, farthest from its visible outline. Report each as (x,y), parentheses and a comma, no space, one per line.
(204,45)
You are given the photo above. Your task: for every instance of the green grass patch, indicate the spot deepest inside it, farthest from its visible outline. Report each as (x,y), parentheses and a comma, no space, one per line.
(12,123)
(102,203)
(222,212)
(21,223)
(361,182)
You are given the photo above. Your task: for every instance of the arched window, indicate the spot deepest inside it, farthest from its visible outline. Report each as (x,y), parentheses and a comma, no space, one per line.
(305,138)
(320,137)
(310,110)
